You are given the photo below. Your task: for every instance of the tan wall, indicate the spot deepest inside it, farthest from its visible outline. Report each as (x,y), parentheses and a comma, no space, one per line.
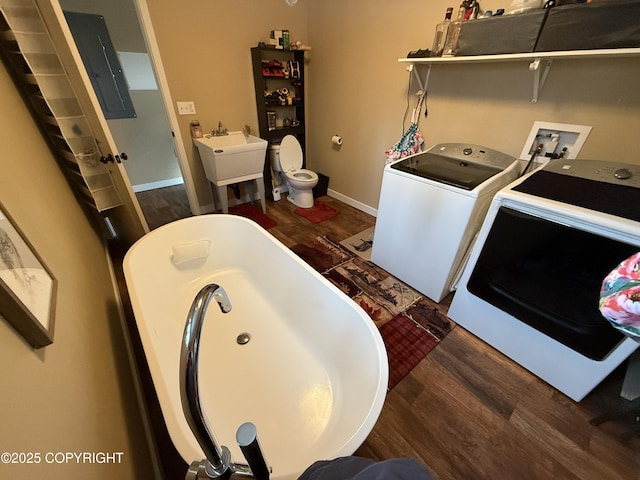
(75,395)
(205,49)
(357,88)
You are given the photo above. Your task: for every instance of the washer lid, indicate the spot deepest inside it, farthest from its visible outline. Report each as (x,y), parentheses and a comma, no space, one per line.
(450,171)
(290,154)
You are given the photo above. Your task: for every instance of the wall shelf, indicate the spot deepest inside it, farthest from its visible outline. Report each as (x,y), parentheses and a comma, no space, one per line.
(294,110)
(539,63)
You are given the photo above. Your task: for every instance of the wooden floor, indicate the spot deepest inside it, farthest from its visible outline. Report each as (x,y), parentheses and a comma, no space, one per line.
(468,412)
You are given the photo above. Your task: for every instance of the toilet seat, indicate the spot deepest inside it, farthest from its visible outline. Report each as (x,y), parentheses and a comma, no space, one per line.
(300,181)
(302,175)
(291,161)
(290,154)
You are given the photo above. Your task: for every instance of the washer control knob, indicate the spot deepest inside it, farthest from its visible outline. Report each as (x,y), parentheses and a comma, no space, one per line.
(467,151)
(623,174)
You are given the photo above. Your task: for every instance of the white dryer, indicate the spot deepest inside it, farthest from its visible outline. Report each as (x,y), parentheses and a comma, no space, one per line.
(531,286)
(431,206)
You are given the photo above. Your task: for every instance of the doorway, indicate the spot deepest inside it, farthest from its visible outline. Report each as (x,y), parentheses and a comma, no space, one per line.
(146,135)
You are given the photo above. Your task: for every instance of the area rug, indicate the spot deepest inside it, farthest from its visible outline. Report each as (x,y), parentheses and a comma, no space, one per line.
(360,244)
(249,211)
(410,324)
(318,213)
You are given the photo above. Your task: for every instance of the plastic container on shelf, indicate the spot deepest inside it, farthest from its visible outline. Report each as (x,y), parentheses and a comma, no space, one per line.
(521,6)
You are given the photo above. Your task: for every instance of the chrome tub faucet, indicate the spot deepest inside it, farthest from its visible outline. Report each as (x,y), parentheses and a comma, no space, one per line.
(217,463)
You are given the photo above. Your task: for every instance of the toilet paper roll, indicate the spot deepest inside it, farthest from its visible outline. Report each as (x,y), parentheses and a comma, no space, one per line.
(336,139)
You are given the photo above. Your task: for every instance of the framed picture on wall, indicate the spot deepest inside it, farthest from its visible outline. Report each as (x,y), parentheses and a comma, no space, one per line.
(27,287)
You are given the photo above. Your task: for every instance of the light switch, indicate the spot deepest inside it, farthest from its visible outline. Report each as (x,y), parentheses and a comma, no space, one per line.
(186,108)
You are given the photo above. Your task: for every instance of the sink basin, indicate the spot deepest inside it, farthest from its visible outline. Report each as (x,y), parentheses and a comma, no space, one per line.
(232,158)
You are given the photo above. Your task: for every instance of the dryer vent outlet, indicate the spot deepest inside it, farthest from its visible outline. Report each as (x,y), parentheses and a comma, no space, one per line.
(555,140)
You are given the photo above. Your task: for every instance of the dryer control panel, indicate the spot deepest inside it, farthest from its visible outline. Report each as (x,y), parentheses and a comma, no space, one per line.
(598,170)
(599,185)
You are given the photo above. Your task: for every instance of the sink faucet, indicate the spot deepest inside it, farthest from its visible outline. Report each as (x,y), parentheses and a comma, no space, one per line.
(220,131)
(217,463)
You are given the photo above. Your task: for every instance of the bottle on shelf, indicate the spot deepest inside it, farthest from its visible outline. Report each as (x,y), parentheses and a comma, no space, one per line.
(451,42)
(441,34)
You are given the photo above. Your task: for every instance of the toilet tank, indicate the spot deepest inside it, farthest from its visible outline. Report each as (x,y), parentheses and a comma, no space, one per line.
(274,156)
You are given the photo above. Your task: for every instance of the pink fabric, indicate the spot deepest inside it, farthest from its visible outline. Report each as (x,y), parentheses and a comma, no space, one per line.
(620,297)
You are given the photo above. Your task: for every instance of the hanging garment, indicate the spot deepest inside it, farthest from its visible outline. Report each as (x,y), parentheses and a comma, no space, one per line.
(411,142)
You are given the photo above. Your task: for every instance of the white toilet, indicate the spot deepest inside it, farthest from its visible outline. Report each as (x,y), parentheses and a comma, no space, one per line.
(287,160)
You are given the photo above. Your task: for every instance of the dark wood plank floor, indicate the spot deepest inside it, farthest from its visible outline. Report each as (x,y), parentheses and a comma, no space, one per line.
(466,411)
(164,205)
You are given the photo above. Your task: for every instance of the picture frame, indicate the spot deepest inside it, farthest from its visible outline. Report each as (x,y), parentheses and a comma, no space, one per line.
(27,286)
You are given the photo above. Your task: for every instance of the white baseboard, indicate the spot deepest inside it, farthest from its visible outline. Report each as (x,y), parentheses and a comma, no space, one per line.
(211,208)
(170,182)
(354,203)
(204,209)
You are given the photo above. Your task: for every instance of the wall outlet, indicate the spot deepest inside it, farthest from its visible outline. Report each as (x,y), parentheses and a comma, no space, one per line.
(186,108)
(554,139)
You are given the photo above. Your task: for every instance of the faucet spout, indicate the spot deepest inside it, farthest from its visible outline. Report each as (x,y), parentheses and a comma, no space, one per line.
(222,298)
(218,459)
(220,131)
(217,463)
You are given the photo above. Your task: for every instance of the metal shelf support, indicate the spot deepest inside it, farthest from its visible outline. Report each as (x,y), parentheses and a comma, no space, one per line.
(423,84)
(539,78)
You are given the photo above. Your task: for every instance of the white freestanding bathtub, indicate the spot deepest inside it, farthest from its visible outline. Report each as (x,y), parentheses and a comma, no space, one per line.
(313,376)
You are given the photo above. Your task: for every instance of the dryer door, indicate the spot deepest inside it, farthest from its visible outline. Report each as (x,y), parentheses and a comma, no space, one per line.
(548,276)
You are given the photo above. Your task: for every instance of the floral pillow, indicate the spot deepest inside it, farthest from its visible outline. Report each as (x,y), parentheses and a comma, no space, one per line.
(620,297)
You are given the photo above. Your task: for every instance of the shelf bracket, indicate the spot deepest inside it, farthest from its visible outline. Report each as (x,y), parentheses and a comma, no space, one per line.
(423,84)
(538,79)
(422,92)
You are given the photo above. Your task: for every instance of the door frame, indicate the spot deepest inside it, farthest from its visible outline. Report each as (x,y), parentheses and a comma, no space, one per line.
(146,25)
(132,223)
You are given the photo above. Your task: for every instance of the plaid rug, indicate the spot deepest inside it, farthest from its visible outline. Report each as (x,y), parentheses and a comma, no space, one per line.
(410,324)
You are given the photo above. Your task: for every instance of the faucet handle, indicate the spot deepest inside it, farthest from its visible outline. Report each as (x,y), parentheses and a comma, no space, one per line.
(247,438)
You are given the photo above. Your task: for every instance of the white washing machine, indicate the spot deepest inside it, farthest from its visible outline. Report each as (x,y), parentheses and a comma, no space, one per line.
(431,206)
(532,283)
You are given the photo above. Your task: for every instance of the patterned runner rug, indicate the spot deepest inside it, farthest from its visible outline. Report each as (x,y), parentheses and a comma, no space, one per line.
(411,325)
(360,244)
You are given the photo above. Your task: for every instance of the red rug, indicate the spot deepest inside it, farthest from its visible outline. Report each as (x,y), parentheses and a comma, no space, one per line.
(318,213)
(406,345)
(249,211)
(410,324)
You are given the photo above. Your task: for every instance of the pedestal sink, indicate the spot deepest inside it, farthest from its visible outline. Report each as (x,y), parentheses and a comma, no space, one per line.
(233,158)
